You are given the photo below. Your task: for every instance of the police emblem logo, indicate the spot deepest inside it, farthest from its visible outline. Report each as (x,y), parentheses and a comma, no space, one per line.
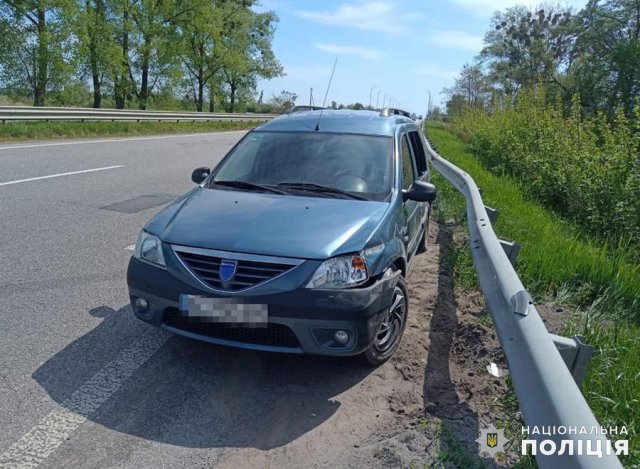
(491,441)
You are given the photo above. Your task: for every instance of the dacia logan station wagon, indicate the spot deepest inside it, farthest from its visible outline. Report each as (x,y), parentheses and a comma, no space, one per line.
(299,240)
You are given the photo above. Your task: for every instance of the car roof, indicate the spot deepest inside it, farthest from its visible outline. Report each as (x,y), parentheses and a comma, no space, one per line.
(337,121)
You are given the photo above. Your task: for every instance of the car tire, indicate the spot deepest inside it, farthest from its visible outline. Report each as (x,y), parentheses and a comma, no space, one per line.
(381,350)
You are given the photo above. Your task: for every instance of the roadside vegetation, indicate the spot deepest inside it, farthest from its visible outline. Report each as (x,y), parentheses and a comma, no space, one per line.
(547,121)
(582,167)
(553,101)
(16,131)
(559,262)
(166,55)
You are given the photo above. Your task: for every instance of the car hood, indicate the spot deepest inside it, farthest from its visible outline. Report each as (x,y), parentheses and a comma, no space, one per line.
(269,224)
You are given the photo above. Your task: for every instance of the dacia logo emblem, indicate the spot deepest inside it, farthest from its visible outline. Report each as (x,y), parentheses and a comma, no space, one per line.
(227,269)
(492,440)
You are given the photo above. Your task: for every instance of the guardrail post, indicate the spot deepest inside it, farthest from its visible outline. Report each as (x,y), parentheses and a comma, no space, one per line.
(493,214)
(576,355)
(512,249)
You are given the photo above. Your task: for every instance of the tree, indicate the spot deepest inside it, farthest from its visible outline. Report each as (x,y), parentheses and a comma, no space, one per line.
(124,31)
(139,50)
(456,105)
(154,44)
(248,54)
(201,32)
(471,84)
(524,48)
(607,69)
(96,50)
(283,101)
(33,40)
(435,114)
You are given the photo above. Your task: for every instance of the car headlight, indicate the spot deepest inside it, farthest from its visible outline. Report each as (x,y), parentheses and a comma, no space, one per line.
(340,272)
(149,248)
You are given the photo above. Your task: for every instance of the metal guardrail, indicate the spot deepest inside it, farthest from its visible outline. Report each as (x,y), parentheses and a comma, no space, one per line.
(546,370)
(29,113)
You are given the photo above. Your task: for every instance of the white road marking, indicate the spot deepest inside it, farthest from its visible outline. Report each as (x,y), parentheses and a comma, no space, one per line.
(53,430)
(131,248)
(110,140)
(59,175)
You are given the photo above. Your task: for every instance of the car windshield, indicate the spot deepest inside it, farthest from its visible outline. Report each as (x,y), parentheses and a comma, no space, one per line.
(309,162)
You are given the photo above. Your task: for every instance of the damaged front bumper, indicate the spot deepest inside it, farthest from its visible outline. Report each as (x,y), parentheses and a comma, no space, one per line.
(299,321)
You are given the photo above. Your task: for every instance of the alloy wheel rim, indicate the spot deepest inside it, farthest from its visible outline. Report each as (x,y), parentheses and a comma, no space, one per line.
(390,328)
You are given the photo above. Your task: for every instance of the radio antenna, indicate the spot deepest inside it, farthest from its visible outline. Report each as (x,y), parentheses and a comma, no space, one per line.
(326,94)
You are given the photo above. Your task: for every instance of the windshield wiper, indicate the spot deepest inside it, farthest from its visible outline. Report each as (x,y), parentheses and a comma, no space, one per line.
(249,186)
(311,187)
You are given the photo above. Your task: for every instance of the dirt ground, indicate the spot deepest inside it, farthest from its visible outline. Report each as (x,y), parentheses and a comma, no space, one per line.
(424,408)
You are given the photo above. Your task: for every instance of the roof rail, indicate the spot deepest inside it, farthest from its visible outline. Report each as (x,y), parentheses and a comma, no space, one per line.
(304,109)
(391,111)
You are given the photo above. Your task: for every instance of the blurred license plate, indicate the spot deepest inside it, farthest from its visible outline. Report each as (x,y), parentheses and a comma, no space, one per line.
(223,310)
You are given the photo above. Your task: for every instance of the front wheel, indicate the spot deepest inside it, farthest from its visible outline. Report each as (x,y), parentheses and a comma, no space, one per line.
(390,330)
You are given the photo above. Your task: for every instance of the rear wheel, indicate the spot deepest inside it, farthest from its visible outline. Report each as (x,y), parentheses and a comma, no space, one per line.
(391,328)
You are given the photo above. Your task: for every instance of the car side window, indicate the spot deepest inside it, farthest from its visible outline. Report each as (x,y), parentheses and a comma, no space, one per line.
(408,168)
(418,152)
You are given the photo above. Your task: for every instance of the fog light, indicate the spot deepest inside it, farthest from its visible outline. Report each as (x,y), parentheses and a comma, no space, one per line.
(142,304)
(341,337)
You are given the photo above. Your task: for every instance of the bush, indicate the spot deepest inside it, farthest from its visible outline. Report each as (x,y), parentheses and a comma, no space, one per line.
(586,169)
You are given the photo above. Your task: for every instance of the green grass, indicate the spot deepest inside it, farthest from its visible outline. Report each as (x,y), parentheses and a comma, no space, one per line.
(512,425)
(453,452)
(557,260)
(16,131)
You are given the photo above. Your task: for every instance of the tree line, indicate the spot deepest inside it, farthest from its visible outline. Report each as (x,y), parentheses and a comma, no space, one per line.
(554,101)
(136,53)
(593,54)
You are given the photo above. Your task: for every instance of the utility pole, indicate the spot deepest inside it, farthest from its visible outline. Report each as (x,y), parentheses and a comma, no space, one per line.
(371,93)
(378,99)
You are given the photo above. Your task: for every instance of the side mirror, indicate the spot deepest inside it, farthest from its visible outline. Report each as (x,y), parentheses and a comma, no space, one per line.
(200,174)
(420,191)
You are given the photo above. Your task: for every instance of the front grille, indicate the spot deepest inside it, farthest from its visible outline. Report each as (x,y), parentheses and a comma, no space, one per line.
(248,273)
(273,335)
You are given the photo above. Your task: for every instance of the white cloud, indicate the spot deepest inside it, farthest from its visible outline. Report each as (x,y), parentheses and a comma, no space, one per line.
(436,71)
(362,52)
(379,16)
(457,40)
(486,8)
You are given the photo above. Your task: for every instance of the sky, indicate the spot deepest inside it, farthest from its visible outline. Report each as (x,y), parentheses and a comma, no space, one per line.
(398,49)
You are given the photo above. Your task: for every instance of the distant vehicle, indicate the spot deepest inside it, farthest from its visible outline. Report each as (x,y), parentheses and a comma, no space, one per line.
(299,241)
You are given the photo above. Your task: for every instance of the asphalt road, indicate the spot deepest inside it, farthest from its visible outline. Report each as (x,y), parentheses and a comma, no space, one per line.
(85,384)
(64,312)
